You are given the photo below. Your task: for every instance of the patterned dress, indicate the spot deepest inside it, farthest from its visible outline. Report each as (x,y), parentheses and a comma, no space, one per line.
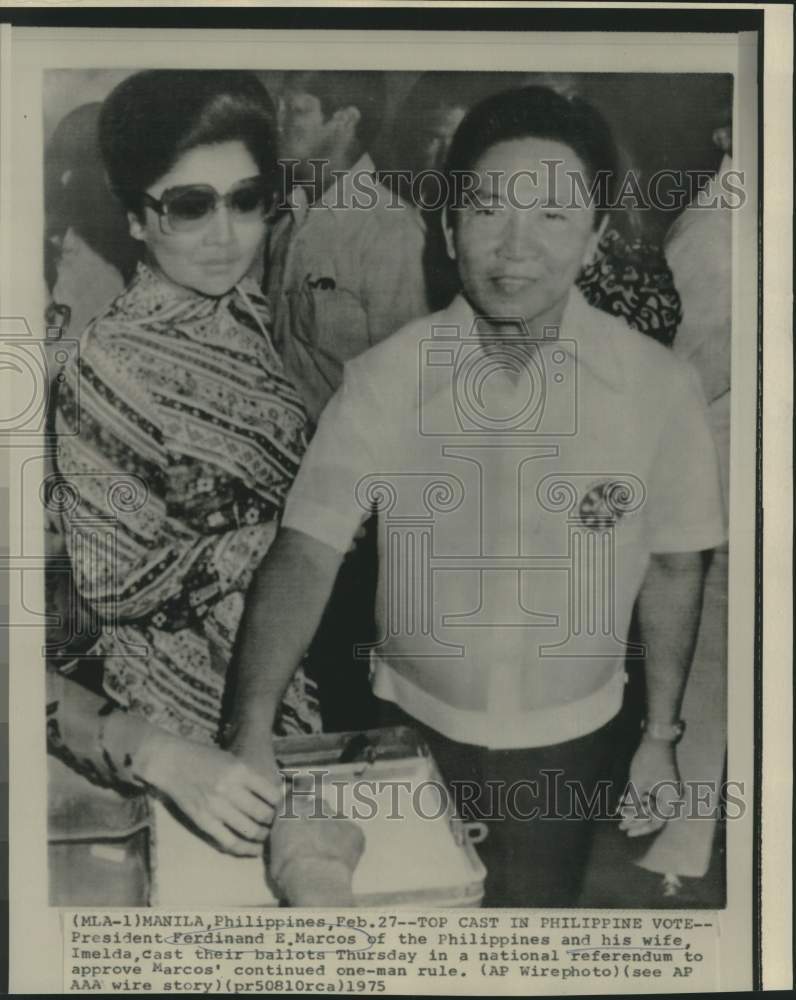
(179,438)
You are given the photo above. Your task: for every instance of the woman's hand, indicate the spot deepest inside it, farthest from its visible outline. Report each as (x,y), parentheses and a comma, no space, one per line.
(252,743)
(223,796)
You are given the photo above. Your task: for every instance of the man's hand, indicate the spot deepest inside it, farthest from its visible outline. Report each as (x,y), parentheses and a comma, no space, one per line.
(253,744)
(669,606)
(654,789)
(222,795)
(284,605)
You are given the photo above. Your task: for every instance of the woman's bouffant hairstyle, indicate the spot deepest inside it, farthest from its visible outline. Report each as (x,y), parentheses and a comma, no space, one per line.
(154,117)
(539,113)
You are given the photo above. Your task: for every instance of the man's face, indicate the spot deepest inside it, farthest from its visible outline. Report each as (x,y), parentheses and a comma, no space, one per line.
(304,134)
(433,140)
(521,240)
(435,135)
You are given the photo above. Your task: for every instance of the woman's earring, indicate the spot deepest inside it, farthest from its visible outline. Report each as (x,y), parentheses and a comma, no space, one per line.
(135,226)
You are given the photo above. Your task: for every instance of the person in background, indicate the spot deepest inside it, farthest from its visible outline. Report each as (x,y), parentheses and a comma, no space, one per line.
(179,435)
(698,248)
(628,277)
(343,271)
(89,253)
(89,256)
(483,656)
(344,264)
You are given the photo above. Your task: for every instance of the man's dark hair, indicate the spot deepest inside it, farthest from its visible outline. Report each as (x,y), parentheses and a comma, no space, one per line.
(438,90)
(540,113)
(152,118)
(365,90)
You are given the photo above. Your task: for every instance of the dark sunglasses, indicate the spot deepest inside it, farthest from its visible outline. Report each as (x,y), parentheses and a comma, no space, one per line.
(190,206)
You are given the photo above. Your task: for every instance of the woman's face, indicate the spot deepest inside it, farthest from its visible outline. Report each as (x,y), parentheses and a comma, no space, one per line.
(521,241)
(213,257)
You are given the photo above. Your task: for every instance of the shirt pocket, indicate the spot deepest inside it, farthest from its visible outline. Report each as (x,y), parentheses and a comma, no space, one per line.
(329,319)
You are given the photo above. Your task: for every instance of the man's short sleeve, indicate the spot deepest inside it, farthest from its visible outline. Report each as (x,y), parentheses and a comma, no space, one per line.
(323,500)
(685,511)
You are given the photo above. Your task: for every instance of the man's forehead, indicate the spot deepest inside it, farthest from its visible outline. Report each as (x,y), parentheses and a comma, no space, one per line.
(533,175)
(531,152)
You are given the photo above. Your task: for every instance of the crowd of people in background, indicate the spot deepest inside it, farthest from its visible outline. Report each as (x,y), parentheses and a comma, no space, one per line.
(234,308)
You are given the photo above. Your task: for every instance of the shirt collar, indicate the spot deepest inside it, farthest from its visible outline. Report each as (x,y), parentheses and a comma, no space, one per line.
(338,195)
(150,292)
(585,334)
(343,185)
(152,300)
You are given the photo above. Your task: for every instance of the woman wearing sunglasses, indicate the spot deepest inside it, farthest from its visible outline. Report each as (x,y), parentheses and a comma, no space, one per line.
(179,437)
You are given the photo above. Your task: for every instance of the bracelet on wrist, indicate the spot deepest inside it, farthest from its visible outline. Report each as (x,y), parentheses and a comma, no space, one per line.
(665,732)
(120,737)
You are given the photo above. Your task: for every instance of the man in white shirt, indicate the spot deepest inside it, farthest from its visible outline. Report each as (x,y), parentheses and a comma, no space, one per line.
(539,468)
